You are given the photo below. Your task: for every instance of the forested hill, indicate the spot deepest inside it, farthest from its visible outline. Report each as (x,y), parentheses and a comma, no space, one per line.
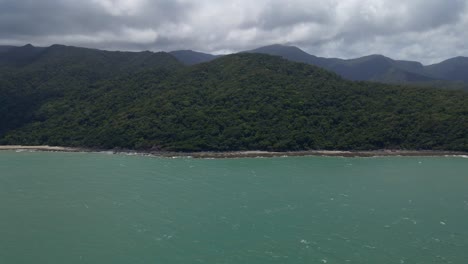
(31,76)
(236,102)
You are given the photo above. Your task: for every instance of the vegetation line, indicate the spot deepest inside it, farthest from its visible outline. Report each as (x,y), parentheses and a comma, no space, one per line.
(246,154)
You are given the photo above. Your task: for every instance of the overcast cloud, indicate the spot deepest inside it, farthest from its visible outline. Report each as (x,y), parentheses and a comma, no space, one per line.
(424,30)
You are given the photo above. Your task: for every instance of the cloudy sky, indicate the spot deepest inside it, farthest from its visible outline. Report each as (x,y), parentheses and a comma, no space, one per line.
(424,30)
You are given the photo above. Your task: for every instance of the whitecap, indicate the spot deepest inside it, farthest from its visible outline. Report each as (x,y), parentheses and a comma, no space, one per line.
(369,247)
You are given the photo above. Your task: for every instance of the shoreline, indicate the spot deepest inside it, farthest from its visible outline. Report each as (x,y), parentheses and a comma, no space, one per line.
(246,154)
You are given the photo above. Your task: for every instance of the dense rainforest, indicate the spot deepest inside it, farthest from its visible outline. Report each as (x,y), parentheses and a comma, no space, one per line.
(79,97)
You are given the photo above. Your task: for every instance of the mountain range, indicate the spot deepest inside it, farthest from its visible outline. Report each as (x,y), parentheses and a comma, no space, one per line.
(451,73)
(69,96)
(378,67)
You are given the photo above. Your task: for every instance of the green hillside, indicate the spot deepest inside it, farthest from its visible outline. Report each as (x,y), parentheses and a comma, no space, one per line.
(237,102)
(32,76)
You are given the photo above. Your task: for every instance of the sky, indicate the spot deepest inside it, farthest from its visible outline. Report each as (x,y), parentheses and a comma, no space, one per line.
(423,30)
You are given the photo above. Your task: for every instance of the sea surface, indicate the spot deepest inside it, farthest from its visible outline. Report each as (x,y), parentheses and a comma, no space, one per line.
(99,208)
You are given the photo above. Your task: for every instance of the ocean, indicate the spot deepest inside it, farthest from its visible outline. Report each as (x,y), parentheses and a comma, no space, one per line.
(103,208)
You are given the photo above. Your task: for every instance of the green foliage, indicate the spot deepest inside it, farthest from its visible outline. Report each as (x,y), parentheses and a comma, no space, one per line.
(237,102)
(49,74)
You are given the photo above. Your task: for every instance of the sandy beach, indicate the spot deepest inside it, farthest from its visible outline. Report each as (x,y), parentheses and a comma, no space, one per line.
(246,154)
(40,148)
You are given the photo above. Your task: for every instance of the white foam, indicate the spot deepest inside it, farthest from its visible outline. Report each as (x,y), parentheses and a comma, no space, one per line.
(369,247)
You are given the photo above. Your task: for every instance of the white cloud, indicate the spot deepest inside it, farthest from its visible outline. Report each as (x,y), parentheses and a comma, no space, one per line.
(121,7)
(426,30)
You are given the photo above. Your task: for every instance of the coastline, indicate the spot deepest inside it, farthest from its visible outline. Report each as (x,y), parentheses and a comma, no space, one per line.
(246,154)
(41,148)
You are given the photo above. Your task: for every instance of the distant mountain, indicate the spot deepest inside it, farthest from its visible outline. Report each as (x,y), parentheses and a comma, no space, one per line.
(294,54)
(6,48)
(364,68)
(452,69)
(398,76)
(190,57)
(374,67)
(380,68)
(18,56)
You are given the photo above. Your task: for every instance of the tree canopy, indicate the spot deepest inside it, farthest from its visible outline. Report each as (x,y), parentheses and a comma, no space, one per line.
(236,102)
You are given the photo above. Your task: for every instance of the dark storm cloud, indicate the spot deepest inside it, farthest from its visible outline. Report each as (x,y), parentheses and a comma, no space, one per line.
(427,30)
(36,18)
(86,19)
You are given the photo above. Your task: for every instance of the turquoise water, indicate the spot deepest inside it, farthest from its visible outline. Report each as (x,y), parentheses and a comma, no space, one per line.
(98,208)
